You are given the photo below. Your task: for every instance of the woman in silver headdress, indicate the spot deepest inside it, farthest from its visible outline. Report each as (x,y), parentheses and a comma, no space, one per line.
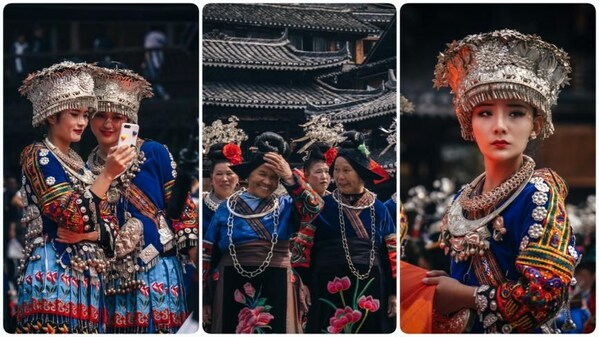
(61,283)
(507,232)
(146,293)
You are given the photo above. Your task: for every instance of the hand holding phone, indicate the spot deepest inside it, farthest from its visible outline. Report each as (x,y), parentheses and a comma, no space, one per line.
(128,134)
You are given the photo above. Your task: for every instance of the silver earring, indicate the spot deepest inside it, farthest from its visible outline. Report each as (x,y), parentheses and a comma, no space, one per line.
(533,135)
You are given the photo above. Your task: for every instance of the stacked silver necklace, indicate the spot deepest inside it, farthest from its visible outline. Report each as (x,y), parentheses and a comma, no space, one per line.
(231,204)
(72,162)
(463,237)
(211,200)
(350,263)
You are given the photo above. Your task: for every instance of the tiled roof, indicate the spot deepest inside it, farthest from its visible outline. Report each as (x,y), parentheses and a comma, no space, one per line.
(378,14)
(268,95)
(360,70)
(220,50)
(289,16)
(378,103)
(388,160)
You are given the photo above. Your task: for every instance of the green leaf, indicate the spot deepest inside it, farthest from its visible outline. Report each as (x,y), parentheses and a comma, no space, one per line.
(329,303)
(261,302)
(267,307)
(355,302)
(366,287)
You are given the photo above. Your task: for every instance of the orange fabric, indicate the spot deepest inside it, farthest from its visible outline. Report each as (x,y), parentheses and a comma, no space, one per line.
(415,300)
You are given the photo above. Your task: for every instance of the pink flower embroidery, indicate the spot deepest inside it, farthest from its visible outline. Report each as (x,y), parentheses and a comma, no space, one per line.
(28,279)
(66,279)
(342,318)
(239,297)
(368,303)
(175,291)
(215,276)
(39,276)
(51,276)
(145,290)
(158,287)
(338,284)
(249,289)
(250,319)
(74,283)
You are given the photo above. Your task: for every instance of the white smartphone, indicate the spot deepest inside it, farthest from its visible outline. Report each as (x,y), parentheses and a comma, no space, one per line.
(128,134)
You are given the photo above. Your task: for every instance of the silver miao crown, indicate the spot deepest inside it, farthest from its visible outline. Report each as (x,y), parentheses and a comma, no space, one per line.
(62,86)
(319,129)
(219,132)
(120,91)
(503,64)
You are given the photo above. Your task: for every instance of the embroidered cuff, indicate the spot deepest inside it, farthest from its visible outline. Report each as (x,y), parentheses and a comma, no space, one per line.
(486,307)
(186,238)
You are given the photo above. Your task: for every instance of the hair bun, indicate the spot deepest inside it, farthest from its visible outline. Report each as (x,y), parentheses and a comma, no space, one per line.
(318,149)
(352,140)
(215,153)
(271,142)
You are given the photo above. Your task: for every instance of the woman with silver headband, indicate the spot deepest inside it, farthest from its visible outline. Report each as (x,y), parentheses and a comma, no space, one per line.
(61,288)
(250,284)
(350,268)
(146,291)
(222,145)
(507,232)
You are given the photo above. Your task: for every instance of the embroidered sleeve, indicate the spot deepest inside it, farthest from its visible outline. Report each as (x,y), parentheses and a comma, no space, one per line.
(546,264)
(301,246)
(389,234)
(391,244)
(307,202)
(48,186)
(186,227)
(210,258)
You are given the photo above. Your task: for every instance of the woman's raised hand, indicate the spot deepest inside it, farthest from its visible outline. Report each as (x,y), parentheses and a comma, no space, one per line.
(277,163)
(118,160)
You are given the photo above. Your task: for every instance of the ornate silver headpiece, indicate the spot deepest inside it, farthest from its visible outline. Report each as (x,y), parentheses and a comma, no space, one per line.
(319,129)
(62,86)
(218,132)
(391,136)
(405,106)
(503,64)
(120,91)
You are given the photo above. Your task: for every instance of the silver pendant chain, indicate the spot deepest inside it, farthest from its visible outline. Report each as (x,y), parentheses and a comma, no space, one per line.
(231,203)
(350,263)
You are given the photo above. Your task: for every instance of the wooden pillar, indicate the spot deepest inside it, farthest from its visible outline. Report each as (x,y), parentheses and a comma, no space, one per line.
(359,51)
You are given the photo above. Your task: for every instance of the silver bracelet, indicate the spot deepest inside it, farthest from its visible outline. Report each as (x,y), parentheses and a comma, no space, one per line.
(480,300)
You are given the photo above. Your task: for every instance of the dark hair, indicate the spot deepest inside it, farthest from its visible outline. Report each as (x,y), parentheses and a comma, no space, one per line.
(265,142)
(216,156)
(271,142)
(359,161)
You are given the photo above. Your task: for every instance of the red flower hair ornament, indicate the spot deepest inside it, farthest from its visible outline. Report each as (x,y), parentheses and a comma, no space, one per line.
(233,153)
(330,155)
